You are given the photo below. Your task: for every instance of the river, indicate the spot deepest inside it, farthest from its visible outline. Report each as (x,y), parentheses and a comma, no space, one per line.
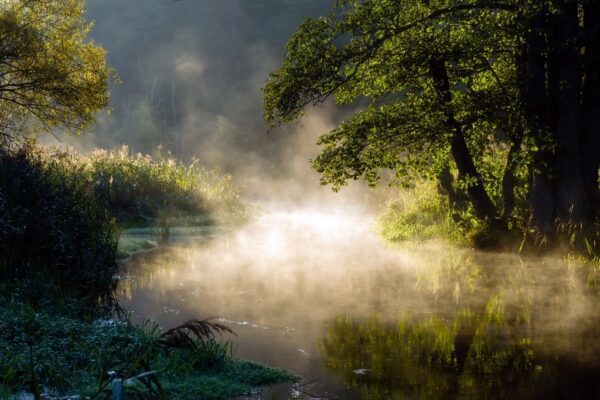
(318,293)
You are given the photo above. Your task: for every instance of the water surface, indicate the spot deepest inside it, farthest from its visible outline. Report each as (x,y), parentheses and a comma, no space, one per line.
(319,294)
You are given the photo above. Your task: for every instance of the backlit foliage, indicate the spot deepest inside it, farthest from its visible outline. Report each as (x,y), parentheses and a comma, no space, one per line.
(50,75)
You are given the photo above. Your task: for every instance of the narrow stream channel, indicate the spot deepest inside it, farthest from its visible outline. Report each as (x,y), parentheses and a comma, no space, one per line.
(319,294)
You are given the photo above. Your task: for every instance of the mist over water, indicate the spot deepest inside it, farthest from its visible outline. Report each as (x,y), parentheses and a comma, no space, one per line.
(308,286)
(318,293)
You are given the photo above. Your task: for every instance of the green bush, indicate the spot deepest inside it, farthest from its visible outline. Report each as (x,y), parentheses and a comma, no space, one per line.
(55,239)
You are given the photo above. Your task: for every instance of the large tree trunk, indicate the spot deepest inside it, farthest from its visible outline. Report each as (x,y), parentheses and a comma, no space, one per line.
(536,102)
(590,141)
(508,179)
(571,200)
(457,198)
(482,204)
(516,139)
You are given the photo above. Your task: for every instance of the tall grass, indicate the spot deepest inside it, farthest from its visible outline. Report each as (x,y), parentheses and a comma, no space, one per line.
(60,213)
(56,239)
(421,213)
(141,189)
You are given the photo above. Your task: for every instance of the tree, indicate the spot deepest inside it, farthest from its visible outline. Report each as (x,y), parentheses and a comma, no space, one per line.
(562,106)
(455,86)
(50,76)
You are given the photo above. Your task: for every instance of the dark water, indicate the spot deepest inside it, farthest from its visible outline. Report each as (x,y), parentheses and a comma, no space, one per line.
(320,295)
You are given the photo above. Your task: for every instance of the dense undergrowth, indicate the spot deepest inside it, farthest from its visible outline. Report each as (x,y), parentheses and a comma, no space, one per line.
(53,354)
(61,214)
(56,239)
(421,212)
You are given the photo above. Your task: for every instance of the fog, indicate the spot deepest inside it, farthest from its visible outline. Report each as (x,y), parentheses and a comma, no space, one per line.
(190,76)
(317,292)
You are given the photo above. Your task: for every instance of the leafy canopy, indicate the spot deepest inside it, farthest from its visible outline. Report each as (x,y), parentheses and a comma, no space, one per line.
(50,76)
(382,52)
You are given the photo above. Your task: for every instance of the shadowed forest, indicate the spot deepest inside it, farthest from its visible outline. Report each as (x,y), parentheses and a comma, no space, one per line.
(299,199)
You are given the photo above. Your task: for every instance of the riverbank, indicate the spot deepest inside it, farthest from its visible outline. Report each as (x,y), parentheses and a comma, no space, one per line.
(421,213)
(62,330)
(50,354)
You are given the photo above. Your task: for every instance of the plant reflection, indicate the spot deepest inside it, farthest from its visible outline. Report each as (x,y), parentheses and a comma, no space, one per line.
(490,354)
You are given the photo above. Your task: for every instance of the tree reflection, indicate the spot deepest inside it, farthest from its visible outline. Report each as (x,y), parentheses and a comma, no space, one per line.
(471,356)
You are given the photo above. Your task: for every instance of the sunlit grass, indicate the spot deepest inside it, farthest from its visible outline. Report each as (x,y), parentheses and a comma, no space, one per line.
(421,213)
(140,189)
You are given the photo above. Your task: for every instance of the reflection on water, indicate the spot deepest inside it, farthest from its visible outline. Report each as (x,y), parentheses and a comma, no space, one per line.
(474,356)
(320,295)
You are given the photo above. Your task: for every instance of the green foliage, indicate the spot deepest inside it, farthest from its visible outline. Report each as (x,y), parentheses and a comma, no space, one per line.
(51,77)
(472,356)
(381,52)
(443,85)
(59,210)
(141,189)
(422,213)
(56,240)
(74,357)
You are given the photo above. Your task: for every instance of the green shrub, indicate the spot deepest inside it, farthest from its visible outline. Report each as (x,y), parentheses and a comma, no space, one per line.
(55,239)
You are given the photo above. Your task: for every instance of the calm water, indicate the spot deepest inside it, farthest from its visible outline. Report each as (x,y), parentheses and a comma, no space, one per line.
(318,294)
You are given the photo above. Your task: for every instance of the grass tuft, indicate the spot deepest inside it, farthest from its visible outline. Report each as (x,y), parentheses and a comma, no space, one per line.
(420,213)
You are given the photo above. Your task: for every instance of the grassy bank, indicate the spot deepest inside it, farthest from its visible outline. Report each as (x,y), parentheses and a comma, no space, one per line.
(61,215)
(57,355)
(422,213)
(145,190)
